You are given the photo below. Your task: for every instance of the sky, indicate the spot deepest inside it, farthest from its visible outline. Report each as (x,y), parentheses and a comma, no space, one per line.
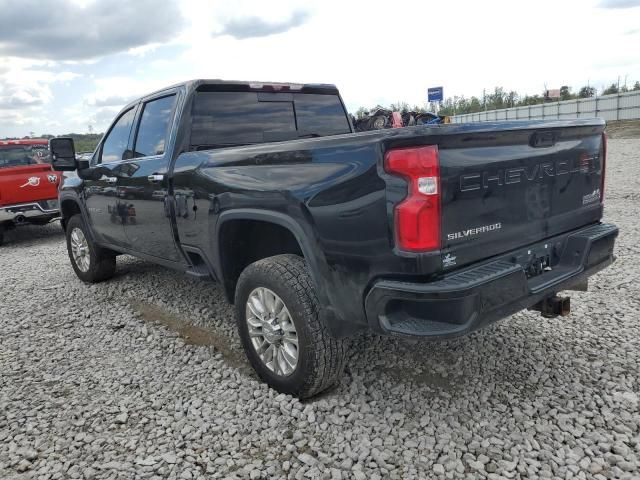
(70,65)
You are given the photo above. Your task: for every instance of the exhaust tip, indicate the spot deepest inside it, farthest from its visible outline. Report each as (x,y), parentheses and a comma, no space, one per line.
(19,219)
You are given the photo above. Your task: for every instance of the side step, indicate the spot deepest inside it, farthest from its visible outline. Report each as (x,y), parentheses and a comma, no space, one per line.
(198,268)
(199,271)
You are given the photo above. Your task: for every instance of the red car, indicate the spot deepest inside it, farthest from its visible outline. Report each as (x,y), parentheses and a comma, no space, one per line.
(28,185)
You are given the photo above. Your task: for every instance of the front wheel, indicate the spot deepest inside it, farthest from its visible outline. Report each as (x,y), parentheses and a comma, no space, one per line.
(278,316)
(91,263)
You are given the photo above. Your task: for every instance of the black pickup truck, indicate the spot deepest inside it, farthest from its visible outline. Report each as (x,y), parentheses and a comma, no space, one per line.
(316,232)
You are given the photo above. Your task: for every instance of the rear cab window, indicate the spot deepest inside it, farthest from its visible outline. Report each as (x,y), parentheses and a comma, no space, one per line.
(224,118)
(15,155)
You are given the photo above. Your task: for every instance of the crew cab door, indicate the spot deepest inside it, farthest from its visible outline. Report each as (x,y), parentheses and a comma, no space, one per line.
(101,193)
(143,183)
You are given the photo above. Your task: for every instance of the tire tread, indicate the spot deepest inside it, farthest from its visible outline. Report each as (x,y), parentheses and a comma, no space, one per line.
(103,262)
(328,353)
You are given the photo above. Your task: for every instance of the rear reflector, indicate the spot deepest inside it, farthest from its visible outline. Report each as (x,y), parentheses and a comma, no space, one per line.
(603,164)
(417,217)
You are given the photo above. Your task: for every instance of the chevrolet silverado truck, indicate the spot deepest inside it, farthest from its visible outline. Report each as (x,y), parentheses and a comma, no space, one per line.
(28,185)
(315,232)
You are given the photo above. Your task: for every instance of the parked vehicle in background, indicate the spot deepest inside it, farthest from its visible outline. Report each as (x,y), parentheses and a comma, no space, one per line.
(315,232)
(381,118)
(28,184)
(376,119)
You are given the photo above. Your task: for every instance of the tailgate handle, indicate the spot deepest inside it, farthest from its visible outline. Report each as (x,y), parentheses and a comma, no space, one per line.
(543,139)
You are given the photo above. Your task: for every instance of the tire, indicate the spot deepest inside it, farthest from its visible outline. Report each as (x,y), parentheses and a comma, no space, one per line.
(101,263)
(378,122)
(320,356)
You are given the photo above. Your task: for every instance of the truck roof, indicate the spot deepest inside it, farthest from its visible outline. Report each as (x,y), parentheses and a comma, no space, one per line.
(241,85)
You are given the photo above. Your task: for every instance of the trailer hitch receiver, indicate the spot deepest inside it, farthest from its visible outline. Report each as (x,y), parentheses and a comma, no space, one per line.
(554,306)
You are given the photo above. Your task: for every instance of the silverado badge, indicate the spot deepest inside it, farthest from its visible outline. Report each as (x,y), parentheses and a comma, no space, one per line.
(32,182)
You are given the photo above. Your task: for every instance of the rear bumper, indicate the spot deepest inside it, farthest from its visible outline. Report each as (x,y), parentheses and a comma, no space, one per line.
(28,211)
(480,294)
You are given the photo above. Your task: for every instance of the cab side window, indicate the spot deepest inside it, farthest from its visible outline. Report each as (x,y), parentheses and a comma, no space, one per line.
(154,127)
(114,148)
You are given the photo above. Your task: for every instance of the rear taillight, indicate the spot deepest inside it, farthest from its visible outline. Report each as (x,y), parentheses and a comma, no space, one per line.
(603,164)
(417,217)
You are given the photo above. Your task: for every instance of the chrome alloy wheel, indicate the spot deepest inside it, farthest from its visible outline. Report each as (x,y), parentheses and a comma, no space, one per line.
(272,332)
(80,250)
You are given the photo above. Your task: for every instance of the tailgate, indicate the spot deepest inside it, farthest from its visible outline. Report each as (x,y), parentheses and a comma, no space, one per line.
(505,189)
(28,183)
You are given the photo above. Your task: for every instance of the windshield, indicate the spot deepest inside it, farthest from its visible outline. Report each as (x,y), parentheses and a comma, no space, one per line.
(20,155)
(239,118)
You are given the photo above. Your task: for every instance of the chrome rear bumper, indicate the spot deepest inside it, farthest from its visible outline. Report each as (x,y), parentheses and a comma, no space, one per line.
(25,211)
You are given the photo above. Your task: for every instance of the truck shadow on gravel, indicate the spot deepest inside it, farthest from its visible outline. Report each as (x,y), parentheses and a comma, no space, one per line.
(375,364)
(480,361)
(30,235)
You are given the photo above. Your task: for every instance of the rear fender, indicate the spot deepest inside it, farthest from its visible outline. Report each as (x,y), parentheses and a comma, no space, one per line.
(313,255)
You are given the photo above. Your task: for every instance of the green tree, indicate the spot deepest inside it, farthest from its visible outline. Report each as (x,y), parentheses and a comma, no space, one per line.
(496,99)
(587,92)
(401,107)
(361,112)
(636,86)
(565,93)
(531,100)
(613,88)
(475,105)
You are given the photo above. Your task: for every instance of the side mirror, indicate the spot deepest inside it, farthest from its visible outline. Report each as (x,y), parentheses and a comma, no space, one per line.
(63,154)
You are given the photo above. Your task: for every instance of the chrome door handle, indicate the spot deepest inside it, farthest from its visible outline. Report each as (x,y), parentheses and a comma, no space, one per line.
(155,178)
(111,179)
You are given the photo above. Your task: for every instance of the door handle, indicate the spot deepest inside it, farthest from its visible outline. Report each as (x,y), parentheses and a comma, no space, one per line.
(155,178)
(111,179)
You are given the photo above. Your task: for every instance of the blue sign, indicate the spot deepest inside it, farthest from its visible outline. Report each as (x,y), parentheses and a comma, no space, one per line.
(435,94)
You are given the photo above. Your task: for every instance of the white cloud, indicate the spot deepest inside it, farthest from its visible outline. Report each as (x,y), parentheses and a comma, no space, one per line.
(67,30)
(375,52)
(619,3)
(26,87)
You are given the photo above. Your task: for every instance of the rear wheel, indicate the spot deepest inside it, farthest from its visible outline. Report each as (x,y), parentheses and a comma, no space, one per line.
(282,332)
(91,263)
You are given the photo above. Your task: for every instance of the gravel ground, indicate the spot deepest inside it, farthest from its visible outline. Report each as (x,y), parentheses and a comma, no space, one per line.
(144,376)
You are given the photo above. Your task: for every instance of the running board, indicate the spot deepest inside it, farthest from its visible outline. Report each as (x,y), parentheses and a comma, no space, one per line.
(199,271)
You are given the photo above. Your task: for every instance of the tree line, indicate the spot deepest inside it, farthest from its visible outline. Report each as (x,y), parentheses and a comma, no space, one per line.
(499,99)
(84,142)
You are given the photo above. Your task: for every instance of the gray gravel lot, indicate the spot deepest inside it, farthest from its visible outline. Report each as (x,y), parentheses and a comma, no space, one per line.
(144,376)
